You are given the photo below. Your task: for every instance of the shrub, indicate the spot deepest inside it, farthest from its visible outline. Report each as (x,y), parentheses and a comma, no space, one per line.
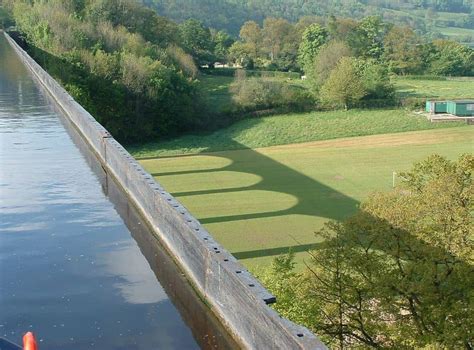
(344,86)
(183,60)
(327,59)
(259,93)
(413,103)
(136,88)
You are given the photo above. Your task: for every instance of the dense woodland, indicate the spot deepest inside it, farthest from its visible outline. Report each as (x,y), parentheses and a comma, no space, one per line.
(281,45)
(231,14)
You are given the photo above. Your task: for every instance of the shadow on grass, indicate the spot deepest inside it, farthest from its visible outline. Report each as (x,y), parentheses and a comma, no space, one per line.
(313,198)
(406,91)
(275,251)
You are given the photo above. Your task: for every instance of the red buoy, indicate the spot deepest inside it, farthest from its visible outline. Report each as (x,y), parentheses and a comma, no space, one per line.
(29,342)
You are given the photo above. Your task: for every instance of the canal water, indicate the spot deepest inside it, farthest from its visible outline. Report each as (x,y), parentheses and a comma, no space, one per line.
(78,267)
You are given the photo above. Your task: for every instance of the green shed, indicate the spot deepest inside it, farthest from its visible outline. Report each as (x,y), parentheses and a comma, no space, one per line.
(436,107)
(461,108)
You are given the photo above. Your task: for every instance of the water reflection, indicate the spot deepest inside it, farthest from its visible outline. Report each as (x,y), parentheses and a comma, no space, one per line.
(137,286)
(69,268)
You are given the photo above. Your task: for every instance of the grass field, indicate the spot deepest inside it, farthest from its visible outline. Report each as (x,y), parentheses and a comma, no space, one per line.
(443,89)
(292,128)
(442,22)
(264,185)
(216,88)
(458,34)
(454,31)
(260,202)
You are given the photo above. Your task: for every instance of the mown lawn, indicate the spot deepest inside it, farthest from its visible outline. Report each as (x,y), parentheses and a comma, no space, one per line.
(292,128)
(260,202)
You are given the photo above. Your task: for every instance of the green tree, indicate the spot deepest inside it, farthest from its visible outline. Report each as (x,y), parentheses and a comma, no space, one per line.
(197,41)
(134,17)
(291,288)
(137,89)
(287,59)
(376,80)
(251,35)
(5,18)
(222,43)
(257,93)
(242,54)
(403,50)
(183,61)
(313,38)
(399,273)
(275,34)
(344,85)
(367,39)
(341,28)
(327,59)
(452,58)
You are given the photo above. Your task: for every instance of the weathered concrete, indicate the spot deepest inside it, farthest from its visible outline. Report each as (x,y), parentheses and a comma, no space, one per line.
(234,295)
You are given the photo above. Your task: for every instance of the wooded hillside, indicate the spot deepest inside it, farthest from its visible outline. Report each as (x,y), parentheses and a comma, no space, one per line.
(427,16)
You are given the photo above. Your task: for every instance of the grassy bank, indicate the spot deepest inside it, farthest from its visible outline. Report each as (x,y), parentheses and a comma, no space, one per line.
(292,128)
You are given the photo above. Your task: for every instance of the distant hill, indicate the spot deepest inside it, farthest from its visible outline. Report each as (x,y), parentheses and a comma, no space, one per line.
(453,18)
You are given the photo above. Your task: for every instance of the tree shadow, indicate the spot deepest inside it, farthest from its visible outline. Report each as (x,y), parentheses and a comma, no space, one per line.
(406,91)
(217,92)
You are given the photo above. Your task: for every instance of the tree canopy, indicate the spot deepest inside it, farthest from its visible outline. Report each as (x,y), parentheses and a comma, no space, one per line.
(313,38)
(399,273)
(116,58)
(344,85)
(231,14)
